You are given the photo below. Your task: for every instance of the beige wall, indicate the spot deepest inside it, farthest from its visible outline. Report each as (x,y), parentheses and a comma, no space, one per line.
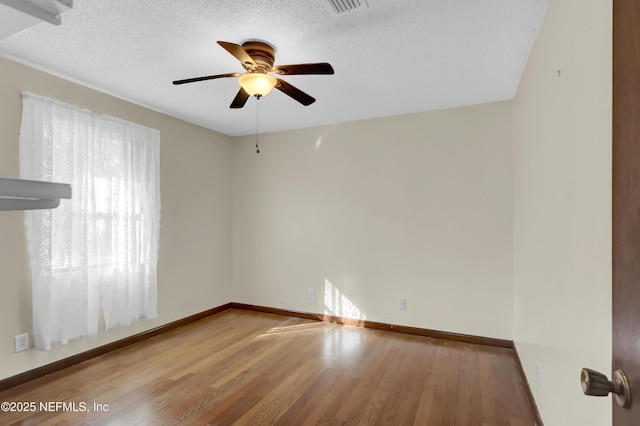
(562,210)
(194,268)
(417,207)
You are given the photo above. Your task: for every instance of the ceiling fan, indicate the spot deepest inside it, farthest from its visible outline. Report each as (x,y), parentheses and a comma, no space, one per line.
(257,58)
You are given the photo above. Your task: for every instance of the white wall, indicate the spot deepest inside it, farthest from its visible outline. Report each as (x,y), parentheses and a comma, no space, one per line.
(417,207)
(194,267)
(562,210)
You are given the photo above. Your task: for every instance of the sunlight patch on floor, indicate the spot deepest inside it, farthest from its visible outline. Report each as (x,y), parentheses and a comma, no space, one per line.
(294,330)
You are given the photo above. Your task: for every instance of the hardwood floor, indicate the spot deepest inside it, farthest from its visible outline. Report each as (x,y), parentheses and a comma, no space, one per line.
(249,368)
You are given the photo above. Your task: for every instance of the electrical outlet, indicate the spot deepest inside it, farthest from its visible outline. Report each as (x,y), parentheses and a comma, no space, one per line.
(311,293)
(21,342)
(403,304)
(538,374)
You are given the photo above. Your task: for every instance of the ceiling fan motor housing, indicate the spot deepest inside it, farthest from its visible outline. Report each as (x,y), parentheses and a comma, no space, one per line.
(262,54)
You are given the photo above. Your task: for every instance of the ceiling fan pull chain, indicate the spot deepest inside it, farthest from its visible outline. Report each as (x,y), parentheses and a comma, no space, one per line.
(257,125)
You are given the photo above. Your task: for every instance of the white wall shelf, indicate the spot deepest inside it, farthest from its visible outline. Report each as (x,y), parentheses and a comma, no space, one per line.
(20,194)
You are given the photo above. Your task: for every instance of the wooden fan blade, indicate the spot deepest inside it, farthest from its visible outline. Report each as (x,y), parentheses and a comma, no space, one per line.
(210,77)
(294,92)
(317,68)
(239,52)
(240,99)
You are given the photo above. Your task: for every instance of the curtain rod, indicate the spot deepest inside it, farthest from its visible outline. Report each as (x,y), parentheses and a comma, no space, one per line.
(20,194)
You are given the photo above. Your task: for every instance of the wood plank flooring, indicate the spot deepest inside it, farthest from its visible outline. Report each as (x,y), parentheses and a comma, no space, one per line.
(248,368)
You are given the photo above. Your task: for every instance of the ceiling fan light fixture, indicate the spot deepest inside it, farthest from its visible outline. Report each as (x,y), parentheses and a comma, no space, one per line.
(256,83)
(257,59)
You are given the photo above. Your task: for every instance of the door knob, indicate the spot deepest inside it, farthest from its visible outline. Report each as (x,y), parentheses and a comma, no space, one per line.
(597,384)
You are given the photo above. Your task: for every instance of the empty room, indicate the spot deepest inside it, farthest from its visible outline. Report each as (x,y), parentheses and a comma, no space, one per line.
(319,212)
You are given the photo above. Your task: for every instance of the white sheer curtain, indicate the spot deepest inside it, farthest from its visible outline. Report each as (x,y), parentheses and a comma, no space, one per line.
(100,248)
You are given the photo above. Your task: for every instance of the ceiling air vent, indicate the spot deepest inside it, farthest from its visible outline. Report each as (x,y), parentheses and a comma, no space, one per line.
(343,6)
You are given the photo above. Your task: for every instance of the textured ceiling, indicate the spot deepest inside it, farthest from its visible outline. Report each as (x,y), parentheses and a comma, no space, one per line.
(392,57)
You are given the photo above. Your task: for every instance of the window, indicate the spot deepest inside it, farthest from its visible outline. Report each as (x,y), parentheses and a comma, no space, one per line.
(97,251)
